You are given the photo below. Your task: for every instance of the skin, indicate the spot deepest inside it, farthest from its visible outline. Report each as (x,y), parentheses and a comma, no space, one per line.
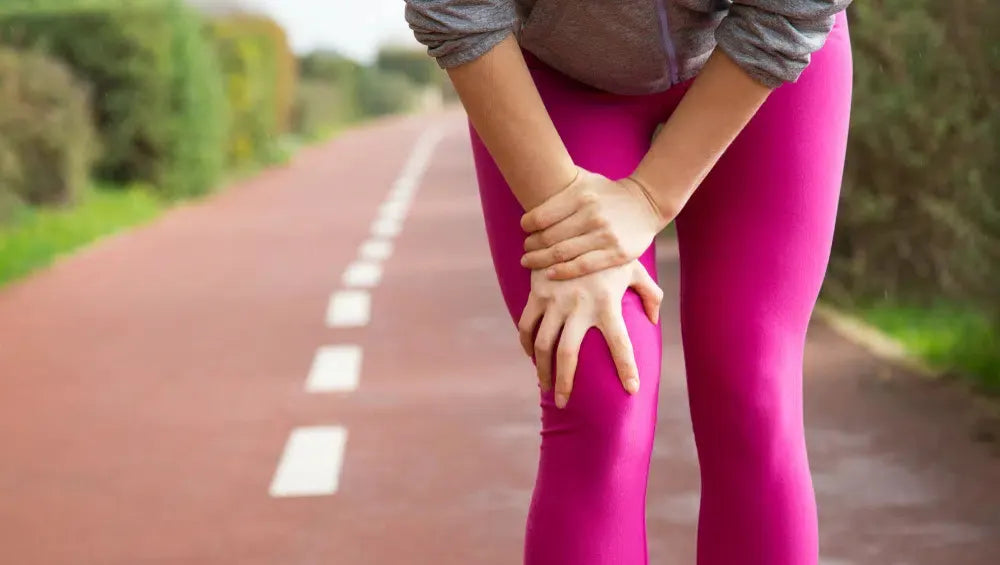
(585,230)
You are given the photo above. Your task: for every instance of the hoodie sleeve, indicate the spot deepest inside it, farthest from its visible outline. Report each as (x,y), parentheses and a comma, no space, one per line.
(460,31)
(773,40)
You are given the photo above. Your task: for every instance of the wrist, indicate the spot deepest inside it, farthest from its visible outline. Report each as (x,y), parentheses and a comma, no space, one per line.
(659,200)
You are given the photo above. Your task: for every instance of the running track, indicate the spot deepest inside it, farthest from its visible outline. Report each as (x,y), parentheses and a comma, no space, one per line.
(315,367)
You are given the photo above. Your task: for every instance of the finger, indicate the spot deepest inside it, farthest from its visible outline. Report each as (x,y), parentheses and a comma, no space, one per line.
(526,325)
(589,262)
(649,292)
(545,342)
(562,252)
(557,208)
(567,357)
(573,225)
(615,333)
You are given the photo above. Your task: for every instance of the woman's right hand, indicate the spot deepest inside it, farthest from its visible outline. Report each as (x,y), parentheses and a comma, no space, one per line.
(576,305)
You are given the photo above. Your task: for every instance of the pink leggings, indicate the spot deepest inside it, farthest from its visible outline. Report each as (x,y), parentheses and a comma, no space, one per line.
(754,245)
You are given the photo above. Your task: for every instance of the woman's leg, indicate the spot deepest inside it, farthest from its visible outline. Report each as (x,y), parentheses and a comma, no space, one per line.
(588,506)
(754,243)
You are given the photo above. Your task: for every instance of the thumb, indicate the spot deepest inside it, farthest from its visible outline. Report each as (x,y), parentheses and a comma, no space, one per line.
(649,292)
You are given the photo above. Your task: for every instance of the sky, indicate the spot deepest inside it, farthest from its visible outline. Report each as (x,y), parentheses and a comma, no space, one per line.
(353,27)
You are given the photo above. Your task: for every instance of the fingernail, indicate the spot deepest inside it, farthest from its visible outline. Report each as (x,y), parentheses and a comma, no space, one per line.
(551,273)
(561,400)
(632,386)
(524,260)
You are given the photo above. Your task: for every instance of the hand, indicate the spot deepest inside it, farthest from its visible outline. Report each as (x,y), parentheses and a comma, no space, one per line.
(592,224)
(575,306)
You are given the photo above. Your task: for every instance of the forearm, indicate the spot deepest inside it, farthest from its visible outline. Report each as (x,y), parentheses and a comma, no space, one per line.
(718,105)
(506,110)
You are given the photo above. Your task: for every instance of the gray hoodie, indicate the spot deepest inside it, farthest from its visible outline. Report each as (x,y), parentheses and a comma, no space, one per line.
(631,46)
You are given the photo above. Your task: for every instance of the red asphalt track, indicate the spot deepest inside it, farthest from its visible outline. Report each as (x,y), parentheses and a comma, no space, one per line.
(149,383)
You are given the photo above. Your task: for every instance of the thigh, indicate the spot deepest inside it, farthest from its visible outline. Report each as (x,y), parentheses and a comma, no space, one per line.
(604,133)
(754,245)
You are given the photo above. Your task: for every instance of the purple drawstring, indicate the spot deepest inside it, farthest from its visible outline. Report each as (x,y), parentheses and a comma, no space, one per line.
(668,44)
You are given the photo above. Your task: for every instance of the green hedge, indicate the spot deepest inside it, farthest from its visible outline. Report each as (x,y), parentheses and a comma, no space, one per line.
(379,92)
(331,67)
(47,140)
(920,214)
(413,63)
(337,90)
(321,107)
(158,96)
(259,73)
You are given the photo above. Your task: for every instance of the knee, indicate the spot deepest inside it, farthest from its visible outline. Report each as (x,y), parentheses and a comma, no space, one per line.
(601,417)
(747,397)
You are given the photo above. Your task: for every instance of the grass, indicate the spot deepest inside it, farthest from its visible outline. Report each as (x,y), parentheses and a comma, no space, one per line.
(34,237)
(946,335)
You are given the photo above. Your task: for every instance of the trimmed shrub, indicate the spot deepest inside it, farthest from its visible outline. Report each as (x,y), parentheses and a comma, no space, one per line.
(47,141)
(331,67)
(260,75)
(919,219)
(337,90)
(320,108)
(379,93)
(158,98)
(286,71)
(413,63)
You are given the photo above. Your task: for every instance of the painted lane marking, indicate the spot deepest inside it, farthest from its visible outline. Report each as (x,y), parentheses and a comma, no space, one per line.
(313,457)
(405,186)
(311,462)
(389,223)
(362,274)
(335,368)
(386,228)
(393,210)
(409,180)
(348,309)
(376,249)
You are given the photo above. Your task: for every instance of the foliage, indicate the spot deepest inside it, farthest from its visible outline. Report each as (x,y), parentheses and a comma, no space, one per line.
(920,213)
(330,66)
(320,108)
(337,90)
(158,98)
(379,93)
(46,134)
(36,236)
(947,335)
(412,63)
(259,75)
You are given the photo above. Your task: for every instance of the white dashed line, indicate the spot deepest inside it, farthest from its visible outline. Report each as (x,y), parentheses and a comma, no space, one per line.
(403,188)
(362,274)
(336,368)
(393,210)
(387,228)
(376,249)
(349,308)
(313,457)
(311,462)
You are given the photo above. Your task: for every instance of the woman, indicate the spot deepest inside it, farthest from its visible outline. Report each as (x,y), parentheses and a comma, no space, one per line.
(564,97)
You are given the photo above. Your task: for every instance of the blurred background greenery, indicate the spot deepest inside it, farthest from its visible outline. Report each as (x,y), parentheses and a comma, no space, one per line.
(111,111)
(917,248)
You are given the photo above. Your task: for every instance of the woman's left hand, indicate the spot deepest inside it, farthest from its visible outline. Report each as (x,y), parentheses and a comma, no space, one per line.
(592,224)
